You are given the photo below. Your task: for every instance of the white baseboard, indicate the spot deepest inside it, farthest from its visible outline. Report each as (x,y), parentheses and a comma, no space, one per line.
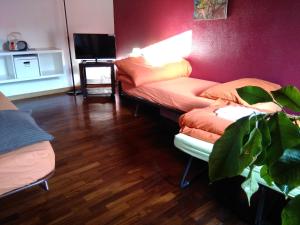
(38,94)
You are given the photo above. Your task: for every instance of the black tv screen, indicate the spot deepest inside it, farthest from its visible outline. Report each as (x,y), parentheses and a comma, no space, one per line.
(94,46)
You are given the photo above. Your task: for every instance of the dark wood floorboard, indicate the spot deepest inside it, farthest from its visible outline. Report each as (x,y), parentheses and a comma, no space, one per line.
(112,168)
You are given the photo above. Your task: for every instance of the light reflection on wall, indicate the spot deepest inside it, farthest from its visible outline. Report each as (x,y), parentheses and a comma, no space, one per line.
(168,50)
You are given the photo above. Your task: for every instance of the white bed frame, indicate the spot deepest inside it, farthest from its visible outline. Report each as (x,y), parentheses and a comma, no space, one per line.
(202,149)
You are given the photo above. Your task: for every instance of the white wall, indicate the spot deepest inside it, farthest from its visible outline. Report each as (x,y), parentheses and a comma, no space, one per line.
(89,16)
(42,25)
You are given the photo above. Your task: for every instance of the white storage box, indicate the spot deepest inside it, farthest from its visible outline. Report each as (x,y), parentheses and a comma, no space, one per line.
(27,66)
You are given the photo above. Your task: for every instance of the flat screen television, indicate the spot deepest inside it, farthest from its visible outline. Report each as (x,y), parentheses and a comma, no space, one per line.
(94,46)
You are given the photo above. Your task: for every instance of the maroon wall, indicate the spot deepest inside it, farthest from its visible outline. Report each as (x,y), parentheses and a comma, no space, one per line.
(260,38)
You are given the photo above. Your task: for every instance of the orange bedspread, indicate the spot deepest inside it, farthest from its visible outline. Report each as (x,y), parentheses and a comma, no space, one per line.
(180,93)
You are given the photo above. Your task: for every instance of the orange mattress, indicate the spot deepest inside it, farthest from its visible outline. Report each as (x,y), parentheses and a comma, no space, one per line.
(180,93)
(24,165)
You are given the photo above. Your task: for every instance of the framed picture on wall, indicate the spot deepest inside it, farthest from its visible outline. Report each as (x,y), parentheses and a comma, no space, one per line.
(210,9)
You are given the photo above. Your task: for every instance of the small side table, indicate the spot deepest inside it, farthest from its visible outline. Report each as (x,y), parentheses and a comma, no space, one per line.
(83,79)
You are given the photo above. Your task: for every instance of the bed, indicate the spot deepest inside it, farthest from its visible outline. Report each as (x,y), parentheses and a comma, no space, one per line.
(170,86)
(180,93)
(200,128)
(167,86)
(26,166)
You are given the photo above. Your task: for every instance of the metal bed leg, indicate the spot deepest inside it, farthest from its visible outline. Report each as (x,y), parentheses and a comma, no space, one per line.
(260,207)
(45,185)
(184,182)
(136,112)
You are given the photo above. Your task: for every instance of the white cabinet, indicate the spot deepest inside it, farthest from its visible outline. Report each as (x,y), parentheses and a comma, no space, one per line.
(30,65)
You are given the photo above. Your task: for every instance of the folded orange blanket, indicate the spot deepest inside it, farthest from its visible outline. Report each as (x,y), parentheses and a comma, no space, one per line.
(208,124)
(204,124)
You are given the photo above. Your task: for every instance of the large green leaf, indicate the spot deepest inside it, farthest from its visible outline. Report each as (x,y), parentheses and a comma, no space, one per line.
(252,148)
(250,185)
(265,132)
(266,141)
(253,95)
(290,133)
(286,171)
(290,214)
(284,135)
(289,97)
(224,158)
(264,174)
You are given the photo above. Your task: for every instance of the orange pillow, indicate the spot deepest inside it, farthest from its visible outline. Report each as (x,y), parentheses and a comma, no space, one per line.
(123,78)
(124,65)
(140,72)
(227,91)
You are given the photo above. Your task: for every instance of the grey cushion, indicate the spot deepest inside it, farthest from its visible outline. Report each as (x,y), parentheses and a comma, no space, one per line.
(18,129)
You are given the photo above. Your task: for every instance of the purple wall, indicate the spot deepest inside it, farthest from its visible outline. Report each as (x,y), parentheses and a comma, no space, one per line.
(259,39)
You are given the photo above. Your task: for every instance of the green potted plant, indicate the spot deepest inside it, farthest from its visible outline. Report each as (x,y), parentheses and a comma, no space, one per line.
(269,142)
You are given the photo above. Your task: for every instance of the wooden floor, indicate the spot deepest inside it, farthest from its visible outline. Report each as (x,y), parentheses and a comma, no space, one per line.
(113,168)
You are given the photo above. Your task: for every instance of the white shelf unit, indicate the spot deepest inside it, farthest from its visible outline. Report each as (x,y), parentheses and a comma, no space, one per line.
(50,61)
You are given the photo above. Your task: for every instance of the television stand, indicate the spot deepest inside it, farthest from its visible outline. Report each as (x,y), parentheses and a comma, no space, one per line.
(104,60)
(107,88)
(98,60)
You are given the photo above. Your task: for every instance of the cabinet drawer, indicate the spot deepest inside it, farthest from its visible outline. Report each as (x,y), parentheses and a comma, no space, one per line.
(26,66)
